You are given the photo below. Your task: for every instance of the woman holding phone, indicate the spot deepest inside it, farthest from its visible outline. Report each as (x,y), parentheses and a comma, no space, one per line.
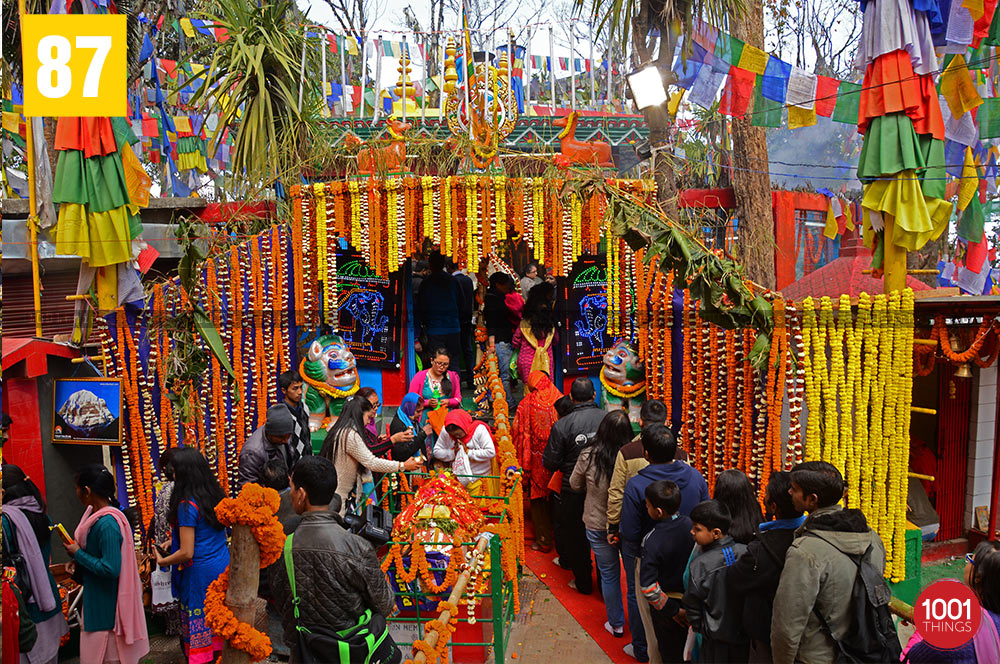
(114,622)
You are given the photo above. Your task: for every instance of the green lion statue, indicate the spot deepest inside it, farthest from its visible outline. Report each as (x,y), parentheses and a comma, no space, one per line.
(330,373)
(623,376)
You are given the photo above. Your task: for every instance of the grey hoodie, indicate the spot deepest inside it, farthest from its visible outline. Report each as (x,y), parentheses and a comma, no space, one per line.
(818,574)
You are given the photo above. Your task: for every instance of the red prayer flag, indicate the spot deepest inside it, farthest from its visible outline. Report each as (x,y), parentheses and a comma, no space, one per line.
(221,35)
(169,67)
(146,258)
(332,40)
(150,127)
(826,95)
(738,92)
(976,255)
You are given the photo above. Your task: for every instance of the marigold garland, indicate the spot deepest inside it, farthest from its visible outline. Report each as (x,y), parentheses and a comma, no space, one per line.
(255,507)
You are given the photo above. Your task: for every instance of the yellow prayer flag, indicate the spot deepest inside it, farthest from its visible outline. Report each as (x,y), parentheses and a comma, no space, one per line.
(11,122)
(975,8)
(352,45)
(970,181)
(182,123)
(197,68)
(136,180)
(801,117)
(753,59)
(847,214)
(958,89)
(187,27)
(675,102)
(830,230)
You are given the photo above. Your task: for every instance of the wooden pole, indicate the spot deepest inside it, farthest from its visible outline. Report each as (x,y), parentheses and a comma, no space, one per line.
(244,574)
(341,47)
(456,594)
(29,151)
(552,68)
(324,45)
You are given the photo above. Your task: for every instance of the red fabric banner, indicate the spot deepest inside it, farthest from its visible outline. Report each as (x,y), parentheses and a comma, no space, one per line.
(737,93)
(826,95)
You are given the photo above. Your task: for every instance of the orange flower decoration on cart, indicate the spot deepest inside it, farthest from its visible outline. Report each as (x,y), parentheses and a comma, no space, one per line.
(255,507)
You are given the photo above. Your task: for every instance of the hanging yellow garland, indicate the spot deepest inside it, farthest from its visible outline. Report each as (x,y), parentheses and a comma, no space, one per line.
(392,233)
(446,221)
(538,207)
(427,216)
(471,223)
(812,396)
(500,185)
(899,484)
(353,189)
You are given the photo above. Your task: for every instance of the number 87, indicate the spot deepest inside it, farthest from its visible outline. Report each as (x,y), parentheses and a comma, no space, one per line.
(54,53)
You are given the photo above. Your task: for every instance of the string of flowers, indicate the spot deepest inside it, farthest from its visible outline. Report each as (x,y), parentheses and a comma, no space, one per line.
(255,507)
(972,352)
(796,380)
(500,184)
(299,215)
(354,196)
(259,355)
(899,484)
(322,257)
(538,211)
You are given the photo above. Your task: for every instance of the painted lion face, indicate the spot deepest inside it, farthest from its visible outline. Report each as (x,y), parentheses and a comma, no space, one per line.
(623,366)
(331,355)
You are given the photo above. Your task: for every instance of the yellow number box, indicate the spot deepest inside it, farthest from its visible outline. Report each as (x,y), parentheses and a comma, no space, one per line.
(74,65)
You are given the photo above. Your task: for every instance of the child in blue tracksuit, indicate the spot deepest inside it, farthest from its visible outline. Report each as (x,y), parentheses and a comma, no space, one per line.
(704,602)
(665,552)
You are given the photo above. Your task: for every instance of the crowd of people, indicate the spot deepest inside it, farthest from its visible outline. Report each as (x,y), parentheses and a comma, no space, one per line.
(708,577)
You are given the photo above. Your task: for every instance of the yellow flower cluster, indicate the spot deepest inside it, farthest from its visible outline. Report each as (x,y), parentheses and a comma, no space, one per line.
(538,207)
(471,222)
(812,392)
(392,222)
(500,189)
(859,412)
(319,193)
(353,189)
(576,220)
(427,217)
(446,222)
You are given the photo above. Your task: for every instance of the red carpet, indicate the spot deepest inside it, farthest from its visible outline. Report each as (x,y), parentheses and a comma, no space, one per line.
(588,610)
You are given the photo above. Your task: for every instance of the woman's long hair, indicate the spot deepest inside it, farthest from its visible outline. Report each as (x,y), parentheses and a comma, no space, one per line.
(446,385)
(986,575)
(16,484)
(733,489)
(614,432)
(352,418)
(538,310)
(194,482)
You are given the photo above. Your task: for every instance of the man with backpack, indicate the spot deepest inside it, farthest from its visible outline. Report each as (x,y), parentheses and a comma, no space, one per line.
(832,601)
(332,595)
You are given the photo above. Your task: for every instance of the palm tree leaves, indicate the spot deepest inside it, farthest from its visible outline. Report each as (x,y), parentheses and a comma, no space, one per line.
(253,84)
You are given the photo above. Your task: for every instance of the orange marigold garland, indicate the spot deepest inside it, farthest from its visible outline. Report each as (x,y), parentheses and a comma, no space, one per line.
(255,507)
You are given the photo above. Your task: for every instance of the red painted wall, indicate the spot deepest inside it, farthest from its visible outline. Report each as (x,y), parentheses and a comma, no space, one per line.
(24,449)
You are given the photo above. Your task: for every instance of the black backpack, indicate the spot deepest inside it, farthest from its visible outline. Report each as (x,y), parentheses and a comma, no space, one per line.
(871,636)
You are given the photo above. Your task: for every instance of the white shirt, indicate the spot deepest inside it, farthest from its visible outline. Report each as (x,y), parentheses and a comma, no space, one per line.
(479,446)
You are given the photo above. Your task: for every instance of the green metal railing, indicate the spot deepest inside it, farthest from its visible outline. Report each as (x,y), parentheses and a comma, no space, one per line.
(501,591)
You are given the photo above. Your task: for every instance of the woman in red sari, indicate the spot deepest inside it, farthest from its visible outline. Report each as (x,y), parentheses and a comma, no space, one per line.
(534,419)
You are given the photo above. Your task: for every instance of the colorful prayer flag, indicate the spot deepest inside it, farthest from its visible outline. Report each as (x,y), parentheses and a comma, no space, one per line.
(753,59)
(737,93)
(775,82)
(826,95)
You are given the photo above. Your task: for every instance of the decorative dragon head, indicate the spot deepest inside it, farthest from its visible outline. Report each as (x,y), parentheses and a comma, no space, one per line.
(623,366)
(330,361)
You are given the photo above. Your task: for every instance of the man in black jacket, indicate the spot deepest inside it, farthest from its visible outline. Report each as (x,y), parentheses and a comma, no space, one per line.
(466,304)
(337,575)
(566,440)
(753,579)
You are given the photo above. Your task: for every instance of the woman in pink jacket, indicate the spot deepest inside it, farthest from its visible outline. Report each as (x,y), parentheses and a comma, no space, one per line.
(438,386)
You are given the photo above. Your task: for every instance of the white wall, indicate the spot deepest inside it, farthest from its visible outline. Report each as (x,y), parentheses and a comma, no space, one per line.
(982,416)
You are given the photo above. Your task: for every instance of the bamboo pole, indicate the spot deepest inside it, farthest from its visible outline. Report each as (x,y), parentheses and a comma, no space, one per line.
(894,260)
(29,151)
(456,594)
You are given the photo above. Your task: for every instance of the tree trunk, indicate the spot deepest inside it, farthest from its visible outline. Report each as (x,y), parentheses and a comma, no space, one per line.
(244,575)
(755,248)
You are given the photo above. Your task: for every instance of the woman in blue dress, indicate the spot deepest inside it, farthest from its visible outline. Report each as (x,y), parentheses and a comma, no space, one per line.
(199,550)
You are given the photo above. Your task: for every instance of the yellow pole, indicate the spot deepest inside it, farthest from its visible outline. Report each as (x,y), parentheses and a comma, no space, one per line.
(36,280)
(893,259)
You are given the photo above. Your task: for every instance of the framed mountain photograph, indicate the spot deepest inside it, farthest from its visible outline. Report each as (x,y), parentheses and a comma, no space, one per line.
(87,411)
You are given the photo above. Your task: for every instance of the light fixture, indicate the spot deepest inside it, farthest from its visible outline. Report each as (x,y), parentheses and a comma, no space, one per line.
(647,87)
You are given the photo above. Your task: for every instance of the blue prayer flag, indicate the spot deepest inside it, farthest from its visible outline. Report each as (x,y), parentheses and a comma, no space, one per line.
(774,84)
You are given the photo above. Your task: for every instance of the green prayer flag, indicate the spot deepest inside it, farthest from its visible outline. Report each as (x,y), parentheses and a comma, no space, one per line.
(980,58)
(848,102)
(728,49)
(735,50)
(766,112)
(973,221)
(988,117)
(993,38)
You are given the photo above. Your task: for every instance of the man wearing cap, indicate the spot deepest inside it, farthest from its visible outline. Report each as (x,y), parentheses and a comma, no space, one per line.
(269,442)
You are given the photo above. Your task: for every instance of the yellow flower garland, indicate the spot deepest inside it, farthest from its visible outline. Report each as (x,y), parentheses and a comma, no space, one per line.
(319,194)
(426,184)
(538,207)
(812,394)
(576,215)
(471,245)
(500,189)
(446,222)
(392,233)
(353,191)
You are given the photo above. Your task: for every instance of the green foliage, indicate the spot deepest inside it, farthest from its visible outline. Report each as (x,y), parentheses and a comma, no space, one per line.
(253,84)
(194,335)
(715,280)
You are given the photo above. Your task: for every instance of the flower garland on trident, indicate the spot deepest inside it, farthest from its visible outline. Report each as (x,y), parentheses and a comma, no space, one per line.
(255,507)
